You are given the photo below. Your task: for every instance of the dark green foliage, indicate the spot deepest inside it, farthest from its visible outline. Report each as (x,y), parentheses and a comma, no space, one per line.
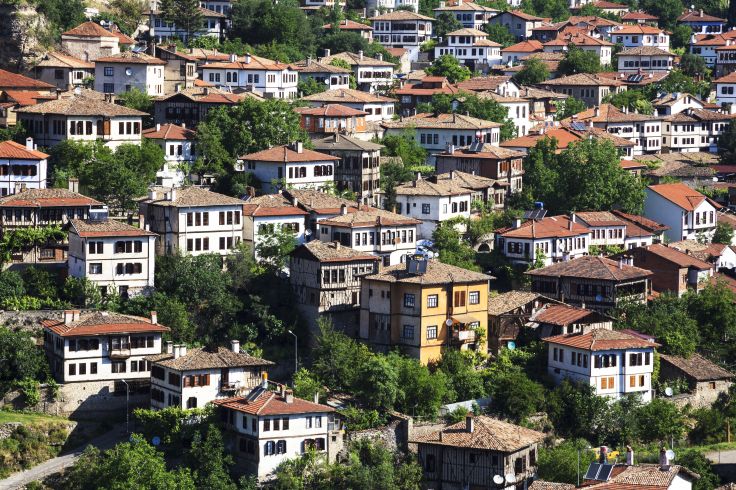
(560,463)
(680,38)
(29,445)
(396,173)
(558,10)
(405,146)
(667,10)
(697,462)
(444,23)
(185,14)
(727,144)
(310,86)
(464,381)
(569,107)
(577,60)
(660,420)
(678,81)
(62,15)
(534,71)
(500,34)
(448,66)
(723,234)
(452,247)
(20,358)
(210,462)
(515,396)
(11,284)
(474,106)
(577,412)
(631,100)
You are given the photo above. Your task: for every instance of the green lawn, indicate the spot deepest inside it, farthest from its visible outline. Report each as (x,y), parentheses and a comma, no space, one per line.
(27,418)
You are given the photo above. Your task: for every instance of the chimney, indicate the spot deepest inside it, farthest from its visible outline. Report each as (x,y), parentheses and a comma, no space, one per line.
(158,126)
(701,12)
(380,56)
(29,144)
(419,176)
(452,174)
(153,49)
(206,91)
(517,223)
(169,347)
(603,458)
(182,350)
(597,111)
(177,351)
(570,224)
(154,318)
(469,423)
(73,184)
(573,217)
(629,456)
(264,380)
(68,316)
(664,462)
(360,55)
(17,188)
(343,209)
(327,53)
(233,58)
(621,263)
(172,194)
(141,221)
(152,194)
(451,149)
(289,396)
(316,397)
(247,58)
(294,201)
(235,346)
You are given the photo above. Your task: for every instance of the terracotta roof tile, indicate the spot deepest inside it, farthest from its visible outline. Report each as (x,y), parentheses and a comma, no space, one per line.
(437,273)
(465,6)
(548,227)
(639,16)
(349,25)
(256,63)
(10,80)
(284,154)
(677,257)
(645,51)
(548,485)
(130,57)
(81,105)
(319,202)
(102,323)
(60,59)
(592,267)
(170,132)
(488,433)
(424,187)
(271,205)
(40,198)
(680,194)
(601,339)
(312,66)
(25,98)
(642,477)
(401,15)
(106,228)
(637,29)
(368,216)
(330,110)
(342,142)
(330,252)
(355,59)
(524,47)
(483,83)
(89,29)
(13,150)
(346,96)
(505,302)
(582,79)
(205,358)
(563,314)
(189,196)
(269,403)
(697,367)
(698,16)
(487,151)
(441,121)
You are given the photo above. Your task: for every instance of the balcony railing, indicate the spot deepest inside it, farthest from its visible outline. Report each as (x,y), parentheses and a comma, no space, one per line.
(464,335)
(119,353)
(230,386)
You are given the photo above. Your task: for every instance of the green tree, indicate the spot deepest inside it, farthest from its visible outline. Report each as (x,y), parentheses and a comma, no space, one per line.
(568,107)
(474,106)
(394,173)
(680,37)
(306,385)
(210,461)
(310,86)
(444,23)
(452,248)
(631,100)
(420,392)
(185,14)
(62,15)
(405,146)
(135,464)
(714,311)
(377,383)
(576,411)
(677,81)
(273,248)
(448,66)
(20,358)
(697,462)
(137,99)
(515,396)
(558,10)
(127,14)
(464,381)
(577,60)
(11,284)
(337,358)
(499,33)
(667,10)
(534,71)
(693,65)
(727,144)
(723,234)
(560,463)
(659,420)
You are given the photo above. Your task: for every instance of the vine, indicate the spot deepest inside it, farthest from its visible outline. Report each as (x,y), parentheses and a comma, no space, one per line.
(17,240)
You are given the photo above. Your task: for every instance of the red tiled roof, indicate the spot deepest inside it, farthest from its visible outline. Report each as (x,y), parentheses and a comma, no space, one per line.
(603,4)
(637,29)
(283,154)
(676,257)
(601,339)
(13,150)
(349,25)
(639,16)
(549,227)
(561,314)
(524,47)
(26,98)
(89,29)
(103,323)
(10,80)
(270,403)
(680,194)
(698,16)
(563,136)
(170,132)
(107,228)
(592,267)
(46,198)
(331,110)
(271,205)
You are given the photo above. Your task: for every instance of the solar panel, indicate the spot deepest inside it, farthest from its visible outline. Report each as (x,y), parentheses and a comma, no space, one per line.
(476,146)
(592,472)
(578,126)
(535,214)
(605,472)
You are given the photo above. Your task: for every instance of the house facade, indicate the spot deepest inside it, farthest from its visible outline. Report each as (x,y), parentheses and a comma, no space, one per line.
(21,167)
(687,212)
(550,239)
(402,29)
(472,48)
(130,70)
(264,215)
(376,107)
(371,74)
(63,70)
(178,144)
(469,14)
(261,75)
(643,130)
(673,271)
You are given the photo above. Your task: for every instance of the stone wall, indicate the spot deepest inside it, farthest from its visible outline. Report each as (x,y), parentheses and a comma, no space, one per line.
(6,429)
(28,319)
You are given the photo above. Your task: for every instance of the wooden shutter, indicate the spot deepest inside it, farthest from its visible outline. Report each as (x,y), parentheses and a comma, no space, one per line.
(206,380)
(187,381)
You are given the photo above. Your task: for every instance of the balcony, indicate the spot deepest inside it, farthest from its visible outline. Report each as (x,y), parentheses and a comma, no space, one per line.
(463,335)
(119,353)
(230,386)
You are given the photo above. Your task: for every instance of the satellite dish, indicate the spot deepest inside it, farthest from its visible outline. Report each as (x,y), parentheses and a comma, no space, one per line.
(511,345)
(129,71)
(670,454)
(668,391)
(510,478)
(498,479)
(156,440)
(449,322)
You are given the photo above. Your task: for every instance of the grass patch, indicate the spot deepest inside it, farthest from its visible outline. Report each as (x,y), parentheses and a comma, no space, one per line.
(28,418)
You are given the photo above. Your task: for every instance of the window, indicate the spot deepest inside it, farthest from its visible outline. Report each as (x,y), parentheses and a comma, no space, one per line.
(636,359)
(429,463)
(285,423)
(459,299)
(408,300)
(408,332)
(276,424)
(425,208)
(432,332)
(266,425)
(474,297)
(94,247)
(432,301)
(95,268)
(109,71)
(192,402)
(118,367)
(607,383)
(318,421)
(92,368)
(72,369)
(308,422)
(281,447)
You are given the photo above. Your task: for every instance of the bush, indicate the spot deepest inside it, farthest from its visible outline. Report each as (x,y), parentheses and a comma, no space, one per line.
(29,445)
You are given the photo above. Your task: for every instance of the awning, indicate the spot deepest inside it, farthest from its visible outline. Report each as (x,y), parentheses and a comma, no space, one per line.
(465,318)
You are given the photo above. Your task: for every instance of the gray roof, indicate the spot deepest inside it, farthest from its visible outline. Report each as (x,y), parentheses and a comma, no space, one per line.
(204,358)
(342,142)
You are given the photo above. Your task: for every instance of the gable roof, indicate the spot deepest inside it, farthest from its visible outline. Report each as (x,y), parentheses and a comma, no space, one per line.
(563,315)
(697,367)
(401,15)
(210,95)
(441,121)
(355,59)
(488,433)
(547,227)
(349,25)
(465,6)
(437,273)
(582,79)
(674,256)
(643,477)
(10,80)
(637,29)
(106,228)
(188,196)
(343,142)
(15,151)
(483,83)
(601,339)
(592,267)
(679,194)
(508,301)
(88,29)
(312,66)
(170,132)
(487,151)
(103,323)
(529,46)
(367,216)
(645,51)
(330,110)
(284,154)
(318,202)
(330,252)
(271,205)
(130,57)
(54,59)
(609,113)
(639,16)
(84,104)
(208,358)
(41,198)
(264,402)
(424,187)
(249,62)
(699,16)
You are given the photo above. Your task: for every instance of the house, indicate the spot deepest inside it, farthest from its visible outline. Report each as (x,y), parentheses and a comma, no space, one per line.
(487,160)
(611,7)
(549,239)
(178,144)
(695,130)
(512,54)
(613,362)
(638,36)
(371,74)
(502,85)
(663,476)
(642,130)
(646,58)
(567,134)
(639,80)
(508,314)
(702,23)
(89,41)
(722,256)
(319,206)
(422,91)
(334,77)
(472,48)
(264,215)
(102,349)
(40,208)
(358,169)
(469,14)
(543,103)
(332,119)
(589,88)
(376,6)
(192,378)
(21,167)
(557,319)
(423,307)
(706,380)
(725,58)
(326,279)
(613,229)
(64,71)
(725,88)
(191,106)
(83,116)
(686,211)
(599,283)
(129,70)
(290,166)
(402,29)
(272,427)
(673,270)
(315,5)
(706,45)
(435,132)
(115,257)
(191,220)
(474,451)
(669,104)
(376,107)
(519,23)
(640,18)
(518,108)
(18,91)
(433,203)
(269,78)
(365,31)
(161,31)
(180,71)
(489,192)
(602,48)
(388,235)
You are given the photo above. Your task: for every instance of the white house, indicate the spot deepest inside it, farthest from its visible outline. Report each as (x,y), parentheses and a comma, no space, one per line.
(636,36)
(114,256)
(290,166)
(519,23)
(702,23)
(376,107)
(192,220)
(645,58)
(694,130)
(128,70)
(471,47)
(686,211)
(82,116)
(674,103)
(213,25)
(706,45)
(469,14)
(101,346)
(518,52)
(371,74)
(272,427)
(382,233)
(376,6)
(402,29)
(64,71)
(178,144)
(193,378)
(272,212)
(613,229)
(266,77)
(332,76)
(602,48)
(642,130)
(519,110)
(725,88)
(553,239)
(21,167)
(615,363)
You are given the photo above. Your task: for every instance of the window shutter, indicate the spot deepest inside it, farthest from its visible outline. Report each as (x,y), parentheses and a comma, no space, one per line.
(206,380)
(186,381)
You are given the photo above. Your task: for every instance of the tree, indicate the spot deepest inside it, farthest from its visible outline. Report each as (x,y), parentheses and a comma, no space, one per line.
(405,146)
(558,10)
(127,14)
(660,420)
(337,358)
(210,461)
(136,464)
(714,311)
(274,247)
(631,100)
(452,248)
(310,86)
(677,81)
(20,358)
(515,396)
(667,10)
(697,462)
(723,234)
(444,23)
(464,381)
(560,463)
(421,392)
(137,99)
(566,108)
(184,14)
(449,67)
(534,71)
(474,106)
(377,383)
(11,284)
(306,385)
(680,37)
(693,65)
(499,33)
(577,60)
(394,173)
(727,144)
(577,411)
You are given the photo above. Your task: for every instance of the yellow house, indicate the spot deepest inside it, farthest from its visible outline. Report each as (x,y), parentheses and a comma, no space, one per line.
(423,306)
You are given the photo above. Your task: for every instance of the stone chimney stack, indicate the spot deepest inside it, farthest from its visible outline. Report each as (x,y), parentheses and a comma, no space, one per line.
(154,318)
(235,346)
